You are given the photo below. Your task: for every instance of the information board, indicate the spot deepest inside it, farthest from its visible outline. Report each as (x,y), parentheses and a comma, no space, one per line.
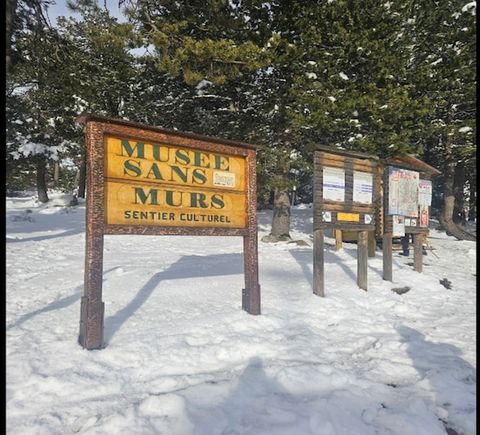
(344,190)
(402,192)
(343,199)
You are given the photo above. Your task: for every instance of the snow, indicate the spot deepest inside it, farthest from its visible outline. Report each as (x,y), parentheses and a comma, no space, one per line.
(465,129)
(311,75)
(343,76)
(332,99)
(470,7)
(181,356)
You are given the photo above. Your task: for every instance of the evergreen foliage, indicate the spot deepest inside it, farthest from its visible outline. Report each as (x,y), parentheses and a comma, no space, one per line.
(387,78)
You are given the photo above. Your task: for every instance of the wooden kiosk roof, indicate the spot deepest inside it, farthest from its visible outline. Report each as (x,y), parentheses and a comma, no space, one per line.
(409,161)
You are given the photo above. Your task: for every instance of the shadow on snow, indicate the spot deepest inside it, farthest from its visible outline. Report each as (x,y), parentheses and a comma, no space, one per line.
(189,266)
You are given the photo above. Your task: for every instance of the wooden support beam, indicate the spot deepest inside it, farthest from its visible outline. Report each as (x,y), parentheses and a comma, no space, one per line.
(418,252)
(372,244)
(318,263)
(338,239)
(362,266)
(387,257)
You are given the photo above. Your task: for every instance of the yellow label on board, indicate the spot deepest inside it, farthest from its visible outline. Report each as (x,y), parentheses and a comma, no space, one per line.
(351,217)
(160,184)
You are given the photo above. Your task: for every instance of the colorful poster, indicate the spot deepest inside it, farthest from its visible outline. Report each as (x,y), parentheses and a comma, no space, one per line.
(424,218)
(334,184)
(398,226)
(424,192)
(362,187)
(402,192)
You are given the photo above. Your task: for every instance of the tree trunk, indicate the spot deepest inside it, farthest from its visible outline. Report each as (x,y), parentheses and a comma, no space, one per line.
(82,178)
(56,174)
(472,200)
(281,215)
(446,216)
(459,216)
(10,14)
(41,181)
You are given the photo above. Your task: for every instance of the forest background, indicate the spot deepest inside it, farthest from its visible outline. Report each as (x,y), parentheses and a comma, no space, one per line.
(387,78)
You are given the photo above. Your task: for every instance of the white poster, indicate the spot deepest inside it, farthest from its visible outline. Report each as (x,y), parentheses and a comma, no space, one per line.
(327,216)
(398,226)
(402,192)
(424,192)
(407,222)
(334,184)
(362,187)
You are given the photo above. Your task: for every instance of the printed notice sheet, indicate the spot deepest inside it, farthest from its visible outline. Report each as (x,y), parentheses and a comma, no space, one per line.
(334,184)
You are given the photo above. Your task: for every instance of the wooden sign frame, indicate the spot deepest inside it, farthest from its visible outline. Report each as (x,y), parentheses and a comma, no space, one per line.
(342,215)
(97,129)
(419,232)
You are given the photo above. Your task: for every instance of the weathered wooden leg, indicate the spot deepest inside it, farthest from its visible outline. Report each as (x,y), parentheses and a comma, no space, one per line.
(338,239)
(371,244)
(318,263)
(387,257)
(362,253)
(251,292)
(92,308)
(417,252)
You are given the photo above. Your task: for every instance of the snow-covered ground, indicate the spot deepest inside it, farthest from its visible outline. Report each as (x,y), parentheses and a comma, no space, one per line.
(181,356)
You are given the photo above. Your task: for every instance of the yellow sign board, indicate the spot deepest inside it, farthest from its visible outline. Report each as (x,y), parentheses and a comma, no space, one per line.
(351,217)
(169,185)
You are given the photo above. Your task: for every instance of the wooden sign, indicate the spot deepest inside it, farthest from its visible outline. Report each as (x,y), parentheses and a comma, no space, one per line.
(344,188)
(344,199)
(166,185)
(154,181)
(407,195)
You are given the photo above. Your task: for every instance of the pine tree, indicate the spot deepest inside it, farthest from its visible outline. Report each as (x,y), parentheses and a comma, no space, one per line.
(443,68)
(354,92)
(58,73)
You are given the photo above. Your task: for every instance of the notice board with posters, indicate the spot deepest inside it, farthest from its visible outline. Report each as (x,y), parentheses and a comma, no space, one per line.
(407,198)
(344,194)
(145,180)
(344,198)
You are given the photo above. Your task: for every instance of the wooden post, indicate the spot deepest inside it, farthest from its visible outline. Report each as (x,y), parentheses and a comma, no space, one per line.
(338,239)
(251,292)
(417,252)
(92,308)
(372,243)
(318,263)
(387,256)
(362,265)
